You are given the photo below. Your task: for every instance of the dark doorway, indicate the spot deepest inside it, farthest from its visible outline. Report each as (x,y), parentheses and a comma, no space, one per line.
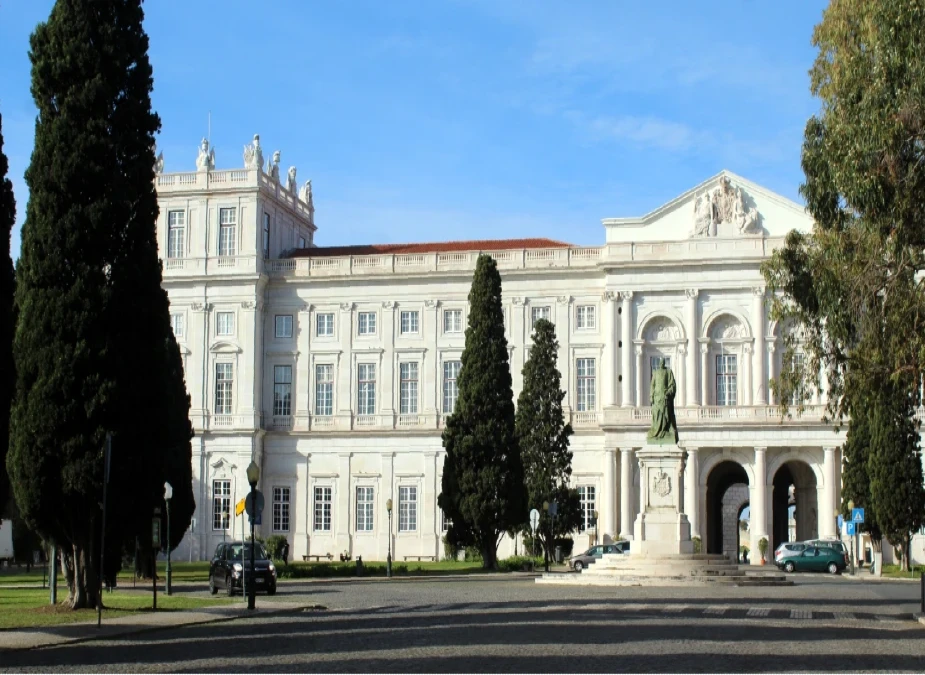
(794,494)
(723,513)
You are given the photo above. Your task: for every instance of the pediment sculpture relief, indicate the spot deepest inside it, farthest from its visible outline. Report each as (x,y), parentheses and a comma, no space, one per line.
(662,330)
(724,205)
(728,329)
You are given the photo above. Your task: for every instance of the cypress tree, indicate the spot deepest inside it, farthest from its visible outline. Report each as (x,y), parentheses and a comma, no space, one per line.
(544,439)
(483,484)
(93,345)
(7,371)
(895,468)
(855,475)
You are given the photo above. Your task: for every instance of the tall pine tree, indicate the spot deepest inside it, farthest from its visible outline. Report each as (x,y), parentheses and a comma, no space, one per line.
(543,436)
(93,346)
(7,371)
(483,483)
(895,467)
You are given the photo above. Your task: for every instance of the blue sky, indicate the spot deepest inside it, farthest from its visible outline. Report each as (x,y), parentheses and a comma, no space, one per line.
(464,119)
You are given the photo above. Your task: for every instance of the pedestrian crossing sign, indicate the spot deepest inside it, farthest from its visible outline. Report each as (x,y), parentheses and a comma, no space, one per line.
(857,515)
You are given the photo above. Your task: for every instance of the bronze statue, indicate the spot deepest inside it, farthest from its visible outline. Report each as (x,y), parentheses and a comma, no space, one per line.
(664,429)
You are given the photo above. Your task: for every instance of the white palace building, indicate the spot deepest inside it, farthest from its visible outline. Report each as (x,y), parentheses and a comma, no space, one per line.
(335,367)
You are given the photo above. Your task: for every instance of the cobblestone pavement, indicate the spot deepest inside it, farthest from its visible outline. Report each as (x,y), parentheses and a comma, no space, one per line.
(513,625)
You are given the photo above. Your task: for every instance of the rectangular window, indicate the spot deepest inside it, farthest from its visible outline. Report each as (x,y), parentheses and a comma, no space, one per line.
(586,385)
(282,391)
(366,323)
(444,521)
(176,323)
(324,324)
(538,313)
(450,388)
(301,242)
(409,322)
(284,326)
(364,509)
(586,494)
(221,504)
(281,509)
(322,520)
(726,383)
(366,389)
(224,381)
(224,323)
(407,508)
(796,368)
(227,232)
(585,318)
(176,234)
(408,376)
(266,235)
(452,321)
(324,389)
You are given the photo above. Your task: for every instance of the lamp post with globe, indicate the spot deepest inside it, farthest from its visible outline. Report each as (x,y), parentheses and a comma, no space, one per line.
(253,475)
(168,495)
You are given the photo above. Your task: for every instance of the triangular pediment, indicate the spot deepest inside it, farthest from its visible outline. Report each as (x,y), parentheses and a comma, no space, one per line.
(723,206)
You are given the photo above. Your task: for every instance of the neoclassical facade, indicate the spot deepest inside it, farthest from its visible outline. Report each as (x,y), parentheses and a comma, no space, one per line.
(335,367)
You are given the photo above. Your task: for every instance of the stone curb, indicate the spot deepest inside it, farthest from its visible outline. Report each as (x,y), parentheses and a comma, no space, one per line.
(135,629)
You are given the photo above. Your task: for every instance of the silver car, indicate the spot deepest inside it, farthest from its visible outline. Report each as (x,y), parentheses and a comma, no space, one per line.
(582,560)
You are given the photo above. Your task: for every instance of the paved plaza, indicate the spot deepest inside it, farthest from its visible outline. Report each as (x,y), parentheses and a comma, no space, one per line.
(511,624)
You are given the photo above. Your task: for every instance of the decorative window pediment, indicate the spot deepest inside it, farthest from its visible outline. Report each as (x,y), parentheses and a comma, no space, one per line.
(225,347)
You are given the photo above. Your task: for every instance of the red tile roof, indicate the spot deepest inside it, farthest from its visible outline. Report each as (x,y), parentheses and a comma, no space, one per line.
(435,247)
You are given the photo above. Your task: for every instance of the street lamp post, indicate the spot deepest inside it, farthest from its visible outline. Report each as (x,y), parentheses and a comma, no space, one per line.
(595,528)
(253,475)
(168,495)
(546,542)
(388,559)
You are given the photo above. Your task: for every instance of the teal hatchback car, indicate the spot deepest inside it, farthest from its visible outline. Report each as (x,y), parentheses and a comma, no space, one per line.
(813,559)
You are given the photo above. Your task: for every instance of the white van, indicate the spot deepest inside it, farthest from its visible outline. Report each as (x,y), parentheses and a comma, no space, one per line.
(6,540)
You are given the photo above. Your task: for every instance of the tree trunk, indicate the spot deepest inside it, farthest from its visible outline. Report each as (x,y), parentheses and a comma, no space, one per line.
(489,555)
(82,579)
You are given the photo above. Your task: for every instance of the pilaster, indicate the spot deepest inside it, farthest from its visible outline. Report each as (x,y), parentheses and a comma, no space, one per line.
(693,331)
(344,390)
(627,508)
(626,337)
(610,361)
(760,376)
(388,389)
(303,368)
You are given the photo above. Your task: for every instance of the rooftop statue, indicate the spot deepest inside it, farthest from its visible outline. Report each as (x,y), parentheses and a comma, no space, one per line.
(253,155)
(273,166)
(206,159)
(305,194)
(664,429)
(158,162)
(291,185)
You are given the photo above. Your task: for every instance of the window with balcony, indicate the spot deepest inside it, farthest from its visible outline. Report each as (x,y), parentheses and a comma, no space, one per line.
(408,377)
(176,234)
(227,232)
(284,325)
(586,374)
(366,389)
(324,389)
(726,379)
(224,385)
(450,387)
(282,391)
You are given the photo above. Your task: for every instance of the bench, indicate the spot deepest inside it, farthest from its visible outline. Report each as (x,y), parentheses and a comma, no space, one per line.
(326,556)
(419,558)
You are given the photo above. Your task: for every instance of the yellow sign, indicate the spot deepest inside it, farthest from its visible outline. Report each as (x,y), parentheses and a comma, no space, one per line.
(239,508)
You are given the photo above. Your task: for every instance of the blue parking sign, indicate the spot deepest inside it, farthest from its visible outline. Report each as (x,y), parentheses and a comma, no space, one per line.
(851,529)
(857,515)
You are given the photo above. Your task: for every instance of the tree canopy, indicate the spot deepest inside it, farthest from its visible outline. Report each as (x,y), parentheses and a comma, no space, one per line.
(7,370)
(93,346)
(483,483)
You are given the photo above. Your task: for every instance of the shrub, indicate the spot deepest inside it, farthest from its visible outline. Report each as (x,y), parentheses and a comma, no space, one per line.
(275,544)
(473,554)
(450,550)
(698,544)
(519,563)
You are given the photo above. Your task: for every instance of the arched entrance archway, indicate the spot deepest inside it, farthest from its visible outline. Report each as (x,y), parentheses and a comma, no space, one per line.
(794,496)
(727,496)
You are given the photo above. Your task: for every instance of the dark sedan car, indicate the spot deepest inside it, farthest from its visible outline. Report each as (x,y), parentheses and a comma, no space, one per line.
(813,559)
(231,564)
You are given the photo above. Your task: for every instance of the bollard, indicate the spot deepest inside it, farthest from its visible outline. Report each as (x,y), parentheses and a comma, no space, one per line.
(359,565)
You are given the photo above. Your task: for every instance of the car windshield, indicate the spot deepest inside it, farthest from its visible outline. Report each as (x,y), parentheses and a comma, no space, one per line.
(236,549)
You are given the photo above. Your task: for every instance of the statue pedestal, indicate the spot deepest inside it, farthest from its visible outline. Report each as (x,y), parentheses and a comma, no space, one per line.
(662,527)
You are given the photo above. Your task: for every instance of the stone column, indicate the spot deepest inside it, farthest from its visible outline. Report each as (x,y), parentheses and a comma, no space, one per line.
(772,370)
(610,361)
(692,490)
(627,507)
(641,371)
(693,332)
(705,373)
(827,507)
(626,336)
(749,376)
(608,514)
(759,370)
(758,503)
(681,374)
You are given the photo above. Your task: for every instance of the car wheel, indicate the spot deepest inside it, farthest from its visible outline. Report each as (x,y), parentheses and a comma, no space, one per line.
(271,590)
(579,566)
(833,568)
(212,588)
(229,586)
(789,567)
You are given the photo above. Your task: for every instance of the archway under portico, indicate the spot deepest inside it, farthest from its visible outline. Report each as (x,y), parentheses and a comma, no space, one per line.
(794,488)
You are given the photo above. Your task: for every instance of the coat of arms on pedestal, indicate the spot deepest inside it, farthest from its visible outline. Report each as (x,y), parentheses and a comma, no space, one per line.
(662,484)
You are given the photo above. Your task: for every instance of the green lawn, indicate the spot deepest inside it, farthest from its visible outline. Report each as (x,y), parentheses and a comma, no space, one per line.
(28,607)
(180,571)
(893,572)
